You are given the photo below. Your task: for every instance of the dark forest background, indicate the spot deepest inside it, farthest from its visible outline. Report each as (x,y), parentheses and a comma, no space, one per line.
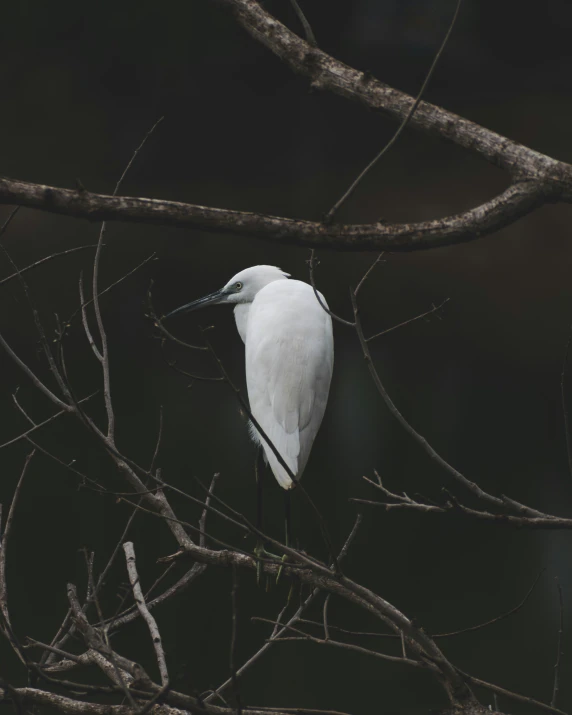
(81,85)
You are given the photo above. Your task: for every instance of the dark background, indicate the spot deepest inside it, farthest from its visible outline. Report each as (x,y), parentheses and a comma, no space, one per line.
(81,85)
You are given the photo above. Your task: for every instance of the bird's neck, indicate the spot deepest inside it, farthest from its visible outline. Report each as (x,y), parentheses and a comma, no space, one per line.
(241,311)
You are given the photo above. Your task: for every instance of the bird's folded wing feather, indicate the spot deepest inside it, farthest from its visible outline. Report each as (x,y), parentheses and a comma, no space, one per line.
(288,371)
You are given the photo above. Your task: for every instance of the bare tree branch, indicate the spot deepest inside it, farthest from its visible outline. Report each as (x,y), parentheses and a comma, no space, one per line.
(85,322)
(339,585)
(310,38)
(347,646)
(181,585)
(232,652)
(501,502)
(94,640)
(144,611)
(433,309)
(292,621)
(537,179)
(327,73)
(71,706)
(103,355)
(454,506)
(567,433)
(51,257)
(510,694)
(6,627)
(34,378)
(557,665)
(462,631)
(518,200)
(35,427)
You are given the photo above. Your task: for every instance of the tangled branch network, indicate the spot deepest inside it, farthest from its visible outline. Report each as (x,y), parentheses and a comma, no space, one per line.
(85,637)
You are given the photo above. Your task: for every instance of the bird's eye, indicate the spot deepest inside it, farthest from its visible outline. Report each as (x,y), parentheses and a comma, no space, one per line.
(238,285)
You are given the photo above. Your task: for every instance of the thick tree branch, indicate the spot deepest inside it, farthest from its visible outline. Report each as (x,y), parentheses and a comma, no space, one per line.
(519,199)
(424,647)
(72,706)
(327,73)
(536,178)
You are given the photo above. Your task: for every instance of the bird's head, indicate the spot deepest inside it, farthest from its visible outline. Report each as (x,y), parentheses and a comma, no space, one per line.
(241,288)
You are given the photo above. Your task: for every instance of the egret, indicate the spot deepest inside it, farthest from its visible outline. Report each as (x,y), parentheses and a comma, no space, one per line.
(289,356)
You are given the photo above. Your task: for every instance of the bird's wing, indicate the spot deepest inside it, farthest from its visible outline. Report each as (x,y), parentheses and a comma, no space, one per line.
(289,361)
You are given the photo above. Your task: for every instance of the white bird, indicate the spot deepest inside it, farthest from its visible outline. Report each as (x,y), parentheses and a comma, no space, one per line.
(289,360)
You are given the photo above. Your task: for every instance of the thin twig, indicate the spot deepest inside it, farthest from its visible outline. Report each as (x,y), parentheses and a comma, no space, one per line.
(510,694)
(11,512)
(103,354)
(34,378)
(422,441)
(193,376)
(87,303)
(103,575)
(294,553)
(8,221)
(557,665)
(310,38)
(450,634)
(292,621)
(433,309)
(37,426)
(203,519)
(112,285)
(155,699)
(179,587)
(367,273)
(331,213)
(346,646)
(232,655)
(134,155)
(158,442)
(3,553)
(94,640)
(144,611)
(46,347)
(564,405)
(158,323)
(32,642)
(51,257)
(96,306)
(85,322)
(311,261)
(325,617)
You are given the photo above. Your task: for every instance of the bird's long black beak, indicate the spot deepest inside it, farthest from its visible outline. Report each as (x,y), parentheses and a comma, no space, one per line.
(211,299)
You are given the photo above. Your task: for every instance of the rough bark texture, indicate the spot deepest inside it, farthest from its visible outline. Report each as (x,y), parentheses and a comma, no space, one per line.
(517,201)
(327,73)
(536,179)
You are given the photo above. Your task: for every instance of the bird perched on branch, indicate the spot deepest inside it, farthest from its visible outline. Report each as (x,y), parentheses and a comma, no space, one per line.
(289,360)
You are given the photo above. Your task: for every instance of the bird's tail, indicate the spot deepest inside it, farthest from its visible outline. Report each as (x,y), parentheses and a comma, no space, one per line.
(282,476)
(282,441)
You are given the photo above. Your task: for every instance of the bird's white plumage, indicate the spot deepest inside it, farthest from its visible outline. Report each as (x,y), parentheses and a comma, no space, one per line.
(289,363)
(289,360)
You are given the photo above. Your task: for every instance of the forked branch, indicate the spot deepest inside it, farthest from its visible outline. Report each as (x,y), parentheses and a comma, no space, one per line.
(535,179)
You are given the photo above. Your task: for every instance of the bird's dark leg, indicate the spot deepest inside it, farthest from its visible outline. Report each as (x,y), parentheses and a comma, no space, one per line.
(288,527)
(259,549)
(258,491)
(288,516)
